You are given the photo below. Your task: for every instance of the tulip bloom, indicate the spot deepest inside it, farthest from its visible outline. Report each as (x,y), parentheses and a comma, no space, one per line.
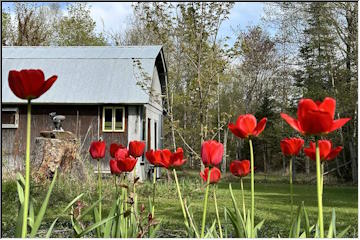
(136,148)
(240,168)
(114,167)
(326,151)
(159,158)
(177,158)
(215,174)
(246,126)
(29,84)
(114,147)
(126,164)
(291,146)
(212,152)
(97,149)
(315,117)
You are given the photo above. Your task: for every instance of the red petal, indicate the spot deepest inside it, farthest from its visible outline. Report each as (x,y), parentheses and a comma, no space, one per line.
(328,105)
(315,122)
(325,148)
(336,124)
(334,152)
(310,151)
(247,124)
(47,84)
(236,131)
(32,81)
(286,147)
(292,122)
(304,106)
(15,84)
(260,127)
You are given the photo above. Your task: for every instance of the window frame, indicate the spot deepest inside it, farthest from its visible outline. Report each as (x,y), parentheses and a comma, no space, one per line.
(16,124)
(113,116)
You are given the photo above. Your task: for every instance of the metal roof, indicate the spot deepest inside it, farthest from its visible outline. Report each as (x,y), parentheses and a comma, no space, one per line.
(86,75)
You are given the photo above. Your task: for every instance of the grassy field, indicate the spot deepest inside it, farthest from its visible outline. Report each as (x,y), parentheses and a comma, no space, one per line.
(271,202)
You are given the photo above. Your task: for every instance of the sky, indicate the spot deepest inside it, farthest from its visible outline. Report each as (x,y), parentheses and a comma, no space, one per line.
(114,16)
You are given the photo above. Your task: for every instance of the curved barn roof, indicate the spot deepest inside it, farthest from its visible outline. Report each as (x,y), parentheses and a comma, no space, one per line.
(87,75)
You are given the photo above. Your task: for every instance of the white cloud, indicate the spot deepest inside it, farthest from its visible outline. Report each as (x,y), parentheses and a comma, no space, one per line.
(111,16)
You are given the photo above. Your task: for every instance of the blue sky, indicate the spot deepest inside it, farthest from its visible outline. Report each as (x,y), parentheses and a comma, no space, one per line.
(113,16)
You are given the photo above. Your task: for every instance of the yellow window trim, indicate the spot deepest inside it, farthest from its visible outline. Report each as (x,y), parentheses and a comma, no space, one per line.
(113,119)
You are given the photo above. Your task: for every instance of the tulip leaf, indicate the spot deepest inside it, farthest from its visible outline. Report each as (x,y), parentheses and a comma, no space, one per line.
(96,218)
(108,225)
(307,222)
(48,234)
(342,233)
(20,192)
(96,225)
(20,179)
(332,227)
(226,224)
(248,226)
(258,227)
(19,222)
(62,212)
(75,225)
(31,216)
(43,207)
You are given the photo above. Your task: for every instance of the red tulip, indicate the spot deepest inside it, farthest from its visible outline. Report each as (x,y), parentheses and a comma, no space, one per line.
(121,154)
(315,117)
(291,146)
(29,84)
(215,174)
(212,152)
(246,126)
(177,158)
(126,164)
(114,147)
(240,168)
(159,158)
(136,148)
(114,167)
(326,151)
(97,149)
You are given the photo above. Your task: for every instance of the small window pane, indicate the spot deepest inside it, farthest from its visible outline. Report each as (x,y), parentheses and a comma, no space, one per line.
(118,119)
(108,119)
(8,117)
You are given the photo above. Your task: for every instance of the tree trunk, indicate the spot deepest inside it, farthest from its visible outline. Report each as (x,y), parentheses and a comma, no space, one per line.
(307,166)
(223,164)
(284,164)
(354,170)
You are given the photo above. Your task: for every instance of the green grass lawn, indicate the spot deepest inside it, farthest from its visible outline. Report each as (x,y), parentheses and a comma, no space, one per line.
(271,203)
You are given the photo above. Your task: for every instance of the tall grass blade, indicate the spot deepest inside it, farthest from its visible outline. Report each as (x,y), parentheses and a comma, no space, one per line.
(343,232)
(89,209)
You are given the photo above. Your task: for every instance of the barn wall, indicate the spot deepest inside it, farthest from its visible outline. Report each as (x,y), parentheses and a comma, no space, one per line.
(112,137)
(81,120)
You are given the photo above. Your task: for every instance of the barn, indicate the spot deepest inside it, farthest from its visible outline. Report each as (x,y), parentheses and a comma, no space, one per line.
(111,92)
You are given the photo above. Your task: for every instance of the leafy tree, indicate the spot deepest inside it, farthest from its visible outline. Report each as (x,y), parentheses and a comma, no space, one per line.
(78,28)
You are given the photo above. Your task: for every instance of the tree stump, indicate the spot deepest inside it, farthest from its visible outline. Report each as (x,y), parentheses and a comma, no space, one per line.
(57,150)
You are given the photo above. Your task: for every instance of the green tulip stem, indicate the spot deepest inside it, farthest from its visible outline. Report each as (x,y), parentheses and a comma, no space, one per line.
(180,198)
(99,187)
(154,189)
(205,204)
(252,185)
(27,172)
(217,213)
(291,188)
(322,178)
(243,196)
(319,189)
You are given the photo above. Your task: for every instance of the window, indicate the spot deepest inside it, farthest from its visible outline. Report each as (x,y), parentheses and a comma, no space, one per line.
(113,119)
(10,118)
